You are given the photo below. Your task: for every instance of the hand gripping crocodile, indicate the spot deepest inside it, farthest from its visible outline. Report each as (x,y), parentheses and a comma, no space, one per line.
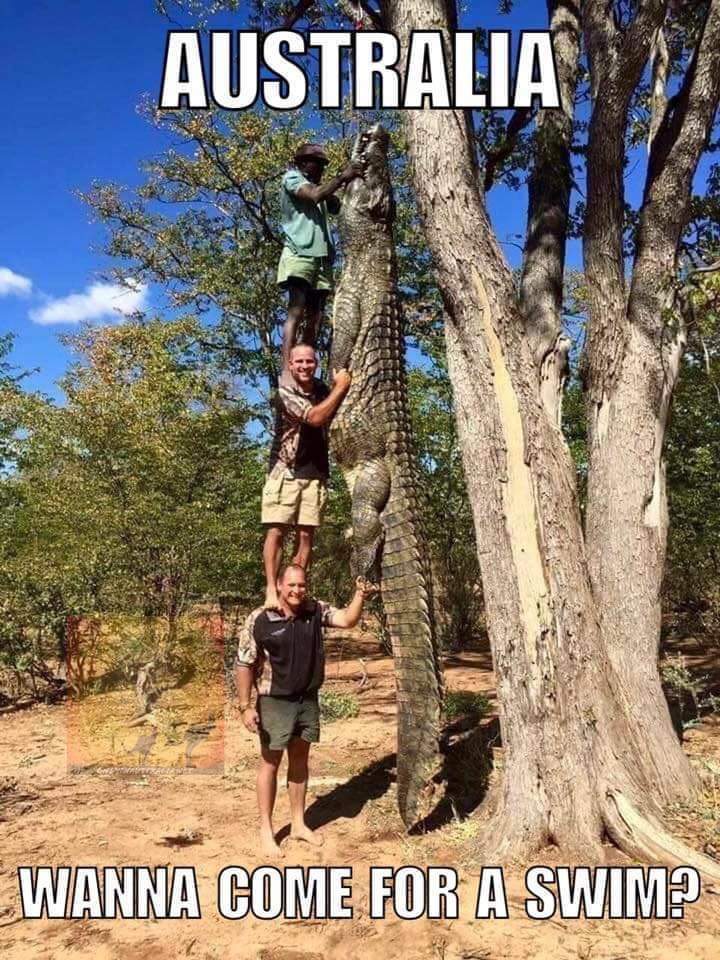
(371,440)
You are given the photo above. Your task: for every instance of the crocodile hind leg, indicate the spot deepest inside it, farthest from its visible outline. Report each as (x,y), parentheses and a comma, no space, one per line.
(370,492)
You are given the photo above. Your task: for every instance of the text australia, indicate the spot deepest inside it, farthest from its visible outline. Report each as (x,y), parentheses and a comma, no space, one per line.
(245,66)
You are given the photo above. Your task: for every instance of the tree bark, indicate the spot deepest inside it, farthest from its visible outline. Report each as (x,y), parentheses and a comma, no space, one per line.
(549,188)
(634,358)
(573,762)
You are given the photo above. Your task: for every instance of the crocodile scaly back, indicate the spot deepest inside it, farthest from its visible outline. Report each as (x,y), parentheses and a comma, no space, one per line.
(371,440)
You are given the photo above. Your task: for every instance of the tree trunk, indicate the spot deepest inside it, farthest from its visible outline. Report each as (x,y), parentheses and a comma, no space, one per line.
(630,388)
(573,762)
(549,188)
(627,524)
(146,692)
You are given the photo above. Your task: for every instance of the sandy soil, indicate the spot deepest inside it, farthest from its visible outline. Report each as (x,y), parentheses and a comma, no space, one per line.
(56,815)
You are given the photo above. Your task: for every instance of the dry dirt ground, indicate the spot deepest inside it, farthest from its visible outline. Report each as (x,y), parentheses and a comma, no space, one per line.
(102,815)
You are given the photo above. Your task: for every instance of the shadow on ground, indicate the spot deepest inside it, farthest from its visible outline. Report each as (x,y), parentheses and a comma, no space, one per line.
(465,772)
(348,799)
(467,766)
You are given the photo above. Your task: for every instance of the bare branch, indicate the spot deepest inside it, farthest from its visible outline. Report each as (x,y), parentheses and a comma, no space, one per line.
(372,16)
(297,13)
(710,268)
(600,40)
(638,41)
(660,63)
(349,8)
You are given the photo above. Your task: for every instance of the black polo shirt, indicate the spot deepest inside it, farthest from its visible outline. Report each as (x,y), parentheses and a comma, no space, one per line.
(286,652)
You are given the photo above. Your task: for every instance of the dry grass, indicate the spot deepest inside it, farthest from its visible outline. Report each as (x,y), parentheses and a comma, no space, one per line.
(698,822)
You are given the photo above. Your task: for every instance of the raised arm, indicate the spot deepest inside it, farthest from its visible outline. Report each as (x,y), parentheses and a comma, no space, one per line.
(319,192)
(350,616)
(324,411)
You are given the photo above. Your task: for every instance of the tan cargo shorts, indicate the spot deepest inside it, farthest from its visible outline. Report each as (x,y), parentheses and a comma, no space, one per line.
(291,502)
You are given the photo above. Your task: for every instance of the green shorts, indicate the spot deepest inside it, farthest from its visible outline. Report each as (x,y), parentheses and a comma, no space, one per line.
(282,718)
(315,271)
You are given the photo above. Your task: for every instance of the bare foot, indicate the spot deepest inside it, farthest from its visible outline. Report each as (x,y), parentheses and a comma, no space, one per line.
(269,847)
(307,836)
(271,600)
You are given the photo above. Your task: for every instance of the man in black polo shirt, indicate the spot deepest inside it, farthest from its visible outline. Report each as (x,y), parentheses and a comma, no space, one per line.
(296,485)
(280,653)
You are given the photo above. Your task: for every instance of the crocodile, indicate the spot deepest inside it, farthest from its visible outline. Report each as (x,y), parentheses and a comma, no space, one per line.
(371,441)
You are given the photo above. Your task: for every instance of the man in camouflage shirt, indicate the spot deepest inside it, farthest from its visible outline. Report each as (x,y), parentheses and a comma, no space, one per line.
(295,489)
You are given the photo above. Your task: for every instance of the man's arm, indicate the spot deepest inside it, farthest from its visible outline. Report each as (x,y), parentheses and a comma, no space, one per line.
(244,677)
(350,616)
(245,666)
(321,191)
(323,412)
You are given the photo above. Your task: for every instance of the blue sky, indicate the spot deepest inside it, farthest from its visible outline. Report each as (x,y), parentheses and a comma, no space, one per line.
(74,72)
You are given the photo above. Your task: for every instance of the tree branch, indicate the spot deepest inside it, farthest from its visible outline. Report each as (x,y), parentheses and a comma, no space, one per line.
(348,7)
(549,188)
(297,13)
(495,157)
(617,60)
(373,16)
(710,268)
(638,40)
(676,152)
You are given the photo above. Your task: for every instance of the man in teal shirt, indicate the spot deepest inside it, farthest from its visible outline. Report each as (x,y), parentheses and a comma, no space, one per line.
(305,268)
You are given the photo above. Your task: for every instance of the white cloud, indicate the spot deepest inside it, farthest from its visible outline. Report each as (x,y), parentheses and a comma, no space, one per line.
(99,301)
(13,283)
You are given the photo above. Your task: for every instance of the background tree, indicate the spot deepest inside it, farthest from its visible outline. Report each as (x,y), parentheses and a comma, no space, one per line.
(693,473)
(138,493)
(456,576)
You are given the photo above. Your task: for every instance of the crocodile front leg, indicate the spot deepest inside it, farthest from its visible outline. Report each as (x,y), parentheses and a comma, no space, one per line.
(346,325)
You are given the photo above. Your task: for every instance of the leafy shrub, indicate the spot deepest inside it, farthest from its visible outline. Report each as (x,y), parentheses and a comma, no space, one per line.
(460,703)
(338,706)
(686,692)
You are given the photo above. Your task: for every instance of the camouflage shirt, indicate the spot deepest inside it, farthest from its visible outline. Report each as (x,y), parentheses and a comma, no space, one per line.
(298,449)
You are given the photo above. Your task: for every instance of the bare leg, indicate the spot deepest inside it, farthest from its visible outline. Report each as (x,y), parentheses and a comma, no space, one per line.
(314,310)
(297,300)
(272,554)
(266,792)
(304,537)
(298,750)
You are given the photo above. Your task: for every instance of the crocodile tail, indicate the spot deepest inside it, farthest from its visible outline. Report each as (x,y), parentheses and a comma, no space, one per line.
(407,599)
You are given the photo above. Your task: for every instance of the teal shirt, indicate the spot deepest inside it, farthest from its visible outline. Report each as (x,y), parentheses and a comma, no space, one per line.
(304,223)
